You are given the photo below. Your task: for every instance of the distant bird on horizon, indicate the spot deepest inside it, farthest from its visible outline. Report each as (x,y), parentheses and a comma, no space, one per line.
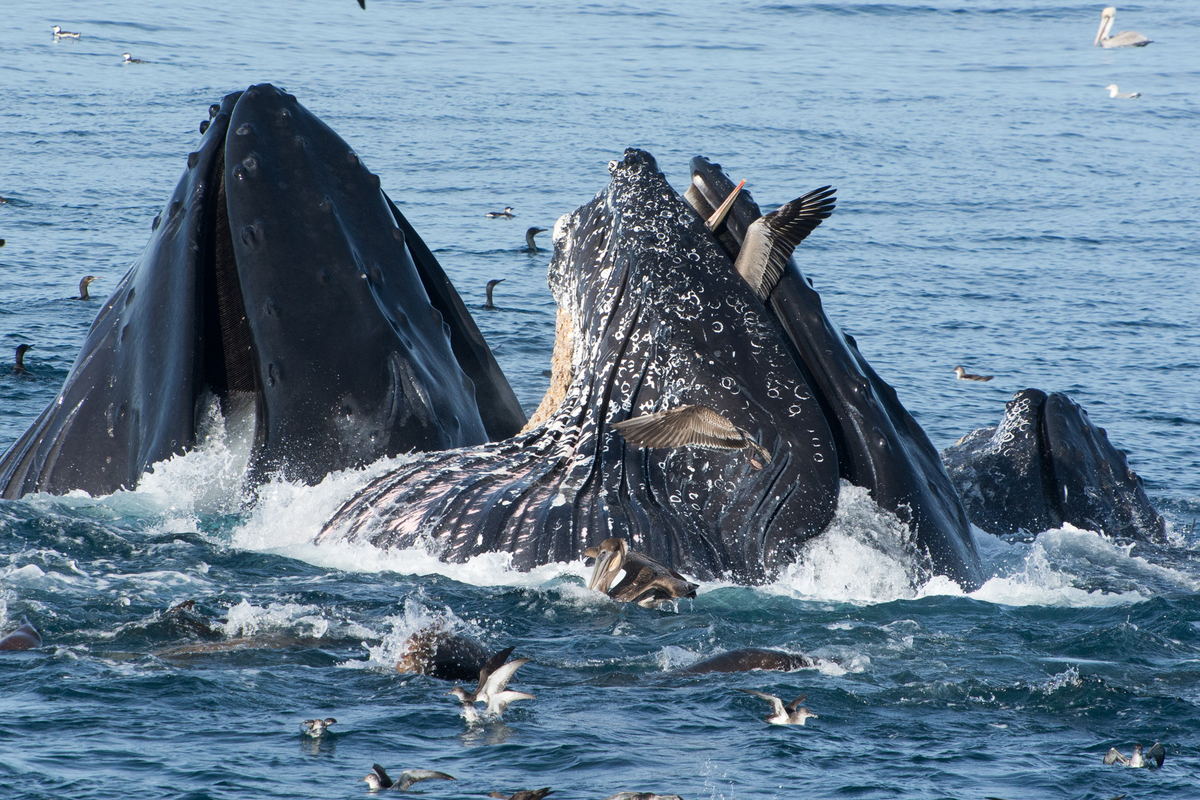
(490,286)
(1152,758)
(791,714)
(378,778)
(523,794)
(1113,93)
(529,234)
(1122,39)
(507,213)
(493,687)
(19,366)
(963,375)
(317,727)
(84,282)
(692,425)
(59,33)
(131,60)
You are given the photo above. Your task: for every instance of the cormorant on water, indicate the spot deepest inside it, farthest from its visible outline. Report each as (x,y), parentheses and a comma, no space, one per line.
(492,285)
(83,287)
(529,234)
(19,367)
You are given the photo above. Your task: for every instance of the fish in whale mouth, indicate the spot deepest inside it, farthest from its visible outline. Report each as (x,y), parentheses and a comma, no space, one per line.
(653,316)
(283,283)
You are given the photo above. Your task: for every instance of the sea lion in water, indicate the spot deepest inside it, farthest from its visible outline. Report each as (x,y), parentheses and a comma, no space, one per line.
(750,658)
(25,637)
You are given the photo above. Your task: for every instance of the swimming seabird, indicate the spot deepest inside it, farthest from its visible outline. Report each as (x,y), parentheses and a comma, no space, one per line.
(19,366)
(131,60)
(84,282)
(1152,758)
(529,234)
(791,714)
(317,727)
(523,794)
(490,286)
(493,686)
(1113,93)
(1122,39)
(507,213)
(694,426)
(770,239)
(59,33)
(378,778)
(646,581)
(642,796)
(963,375)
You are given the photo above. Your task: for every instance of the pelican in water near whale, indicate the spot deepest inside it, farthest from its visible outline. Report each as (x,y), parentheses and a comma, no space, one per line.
(697,426)
(646,582)
(791,714)
(1122,39)
(1113,93)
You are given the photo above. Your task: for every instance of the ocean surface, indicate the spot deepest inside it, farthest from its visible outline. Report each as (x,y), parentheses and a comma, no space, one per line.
(996,209)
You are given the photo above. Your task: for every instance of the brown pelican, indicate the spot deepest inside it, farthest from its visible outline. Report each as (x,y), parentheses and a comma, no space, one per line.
(1122,39)
(529,234)
(378,778)
(791,714)
(1153,758)
(317,727)
(646,582)
(697,426)
(493,686)
(83,286)
(770,239)
(507,213)
(490,286)
(59,33)
(715,219)
(1113,93)
(523,794)
(963,375)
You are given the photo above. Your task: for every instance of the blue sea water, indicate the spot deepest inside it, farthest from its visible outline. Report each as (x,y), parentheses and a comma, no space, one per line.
(995,209)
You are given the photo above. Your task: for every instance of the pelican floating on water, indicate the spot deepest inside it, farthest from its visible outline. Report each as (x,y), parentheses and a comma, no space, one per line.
(1122,39)
(646,582)
(1112,92)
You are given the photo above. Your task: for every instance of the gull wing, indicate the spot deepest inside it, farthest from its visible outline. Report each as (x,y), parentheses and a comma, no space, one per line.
(496,662)
(776,703)
(498,680)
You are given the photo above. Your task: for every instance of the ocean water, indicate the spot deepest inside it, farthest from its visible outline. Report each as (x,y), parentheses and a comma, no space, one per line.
(995,209)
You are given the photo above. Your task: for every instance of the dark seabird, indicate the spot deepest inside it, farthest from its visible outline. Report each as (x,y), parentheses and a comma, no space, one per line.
(507,213)
(1152,758)
(493,686)
(2,242)
(529,234)
(59,33)
(791,714)
(695,426)
(317,727)
(19,366)
(492,285)
(642,796)
(770,239)
(646,582)
(1122,39)
(963,375)
(25,637)
(378,778)
(83,287)
(131,60)
(524,794)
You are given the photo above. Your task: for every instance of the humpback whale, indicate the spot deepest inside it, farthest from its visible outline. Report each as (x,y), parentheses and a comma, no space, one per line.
(25,637)
(1044,464)
(436,652)
(750,658)
(317,312)
(654,316)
